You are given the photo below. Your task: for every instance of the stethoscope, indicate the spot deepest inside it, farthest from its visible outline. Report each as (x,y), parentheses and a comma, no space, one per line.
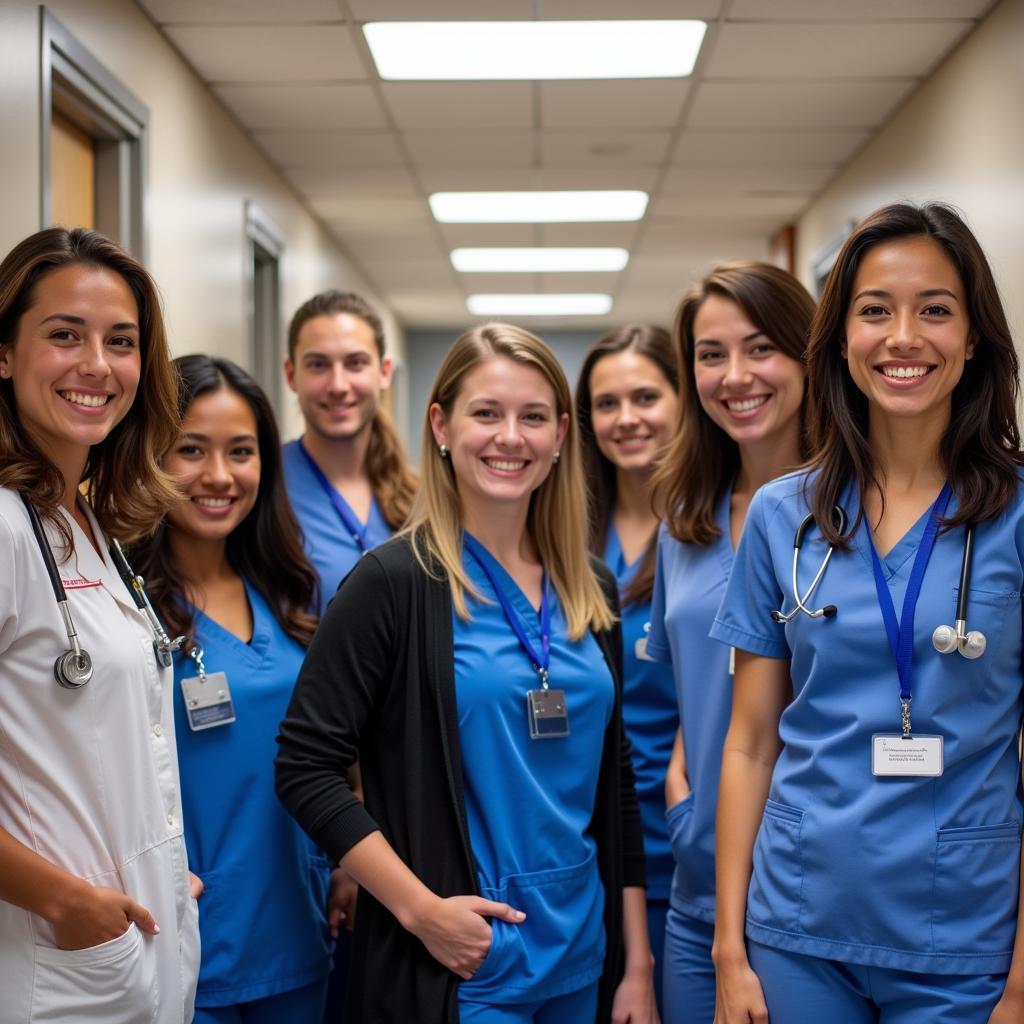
(945,639)
(73,668)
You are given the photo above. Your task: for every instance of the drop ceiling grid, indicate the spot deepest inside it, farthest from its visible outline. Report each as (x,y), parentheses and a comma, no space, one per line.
(783,93)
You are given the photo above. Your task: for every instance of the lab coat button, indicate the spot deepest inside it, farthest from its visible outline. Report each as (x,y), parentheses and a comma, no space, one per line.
(157,731)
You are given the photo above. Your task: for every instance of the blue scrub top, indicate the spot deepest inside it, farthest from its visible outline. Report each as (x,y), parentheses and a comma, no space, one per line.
(688,588)
(651,718)
(529,802)
(262,915)
(917,874)
(329,545)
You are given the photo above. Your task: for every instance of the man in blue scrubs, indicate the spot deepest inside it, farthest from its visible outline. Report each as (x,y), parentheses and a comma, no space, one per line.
(347,477)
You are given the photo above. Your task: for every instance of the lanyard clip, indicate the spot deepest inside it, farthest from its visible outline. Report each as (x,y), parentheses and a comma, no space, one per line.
(905,715)
(543,673)
(196,654)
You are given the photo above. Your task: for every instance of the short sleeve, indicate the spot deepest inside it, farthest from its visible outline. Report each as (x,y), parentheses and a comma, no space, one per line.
(657,638)
(744,618)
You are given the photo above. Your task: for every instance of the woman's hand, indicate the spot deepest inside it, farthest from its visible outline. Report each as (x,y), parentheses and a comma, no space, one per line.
(341,901)
(1009,1009)
(92,915)
(195,885)
(634,1001)
(739,998)
(677,785)
(455,932)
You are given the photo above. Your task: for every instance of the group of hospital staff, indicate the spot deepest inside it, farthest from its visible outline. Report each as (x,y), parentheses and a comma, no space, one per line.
(693,696)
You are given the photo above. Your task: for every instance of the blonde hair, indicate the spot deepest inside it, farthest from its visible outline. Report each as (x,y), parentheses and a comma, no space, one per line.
(557,518)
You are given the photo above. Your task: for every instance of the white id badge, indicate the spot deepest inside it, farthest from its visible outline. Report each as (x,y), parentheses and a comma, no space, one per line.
(896,756)
(548,714)
(208,701)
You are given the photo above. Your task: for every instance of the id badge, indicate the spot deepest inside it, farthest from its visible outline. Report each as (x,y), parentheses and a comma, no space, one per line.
(208,701)
(897,756)
(548,714)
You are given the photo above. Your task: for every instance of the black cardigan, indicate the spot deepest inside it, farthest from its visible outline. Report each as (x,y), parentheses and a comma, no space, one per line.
(378,686)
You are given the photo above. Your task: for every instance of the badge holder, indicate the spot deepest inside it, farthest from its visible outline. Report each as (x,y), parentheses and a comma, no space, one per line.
(904,755)
(207,696)
(547,711)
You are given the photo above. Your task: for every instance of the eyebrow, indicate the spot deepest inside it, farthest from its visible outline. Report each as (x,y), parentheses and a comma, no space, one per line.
(527,405)
(928,293)
(204,437)
(753,336)
(125,325)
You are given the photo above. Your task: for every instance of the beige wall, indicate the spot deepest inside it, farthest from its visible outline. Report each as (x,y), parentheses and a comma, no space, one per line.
(202,169)
(960,138)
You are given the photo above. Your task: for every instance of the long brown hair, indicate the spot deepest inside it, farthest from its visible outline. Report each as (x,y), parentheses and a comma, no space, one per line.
(392,479)
(557,517)
(702,460)
(124,484)
(264,548)
(656,344)
(981,447)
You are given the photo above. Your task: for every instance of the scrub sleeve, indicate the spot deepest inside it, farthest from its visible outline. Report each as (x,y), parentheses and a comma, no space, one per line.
(262,915)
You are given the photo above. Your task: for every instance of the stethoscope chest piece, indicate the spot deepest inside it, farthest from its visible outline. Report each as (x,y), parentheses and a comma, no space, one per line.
(73,669)
(947,639)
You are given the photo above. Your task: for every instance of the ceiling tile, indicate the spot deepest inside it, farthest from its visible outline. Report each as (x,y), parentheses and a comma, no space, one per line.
(320,149)
(828,105)
(388,241)
(460,105)
(632,104)
(862,10)
(609,147)
(328,181)
(361,213)
(513,149)
(762,210)
(442,10)
(500,284)
(703,146)
(409,275)
(430,307)
(699,242)
(573,10)
(303,107)
(743,178)
(459,235)
(265,53)
(823,51)
(457,177)
(620,234)
(577,283)
(238,12)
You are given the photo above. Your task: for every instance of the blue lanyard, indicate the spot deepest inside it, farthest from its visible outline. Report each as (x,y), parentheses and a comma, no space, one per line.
(901,635)
(541,661)
(354,527)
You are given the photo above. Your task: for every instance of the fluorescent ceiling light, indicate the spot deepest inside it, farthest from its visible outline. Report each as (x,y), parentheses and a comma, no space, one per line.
(536,207)
(539,305)
(522,260)
(481,50)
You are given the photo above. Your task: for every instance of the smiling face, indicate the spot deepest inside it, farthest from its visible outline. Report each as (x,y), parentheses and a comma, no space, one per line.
(633,408)
(745,382)
(338,375)
(502,433)
(76,362)
(216,461)
(907,329)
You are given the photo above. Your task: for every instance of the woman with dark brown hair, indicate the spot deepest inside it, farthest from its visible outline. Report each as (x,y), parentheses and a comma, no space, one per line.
(626,401)
(741,333)
(97,920)
(870,807)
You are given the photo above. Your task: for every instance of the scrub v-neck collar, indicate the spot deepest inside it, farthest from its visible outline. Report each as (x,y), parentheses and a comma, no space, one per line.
(256,649)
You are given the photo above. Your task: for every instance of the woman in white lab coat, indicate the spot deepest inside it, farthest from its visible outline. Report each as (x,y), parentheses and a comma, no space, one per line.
(97,921)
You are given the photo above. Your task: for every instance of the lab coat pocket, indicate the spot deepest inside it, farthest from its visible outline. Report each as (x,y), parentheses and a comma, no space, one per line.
(776,885)
(113,983)
(977,871)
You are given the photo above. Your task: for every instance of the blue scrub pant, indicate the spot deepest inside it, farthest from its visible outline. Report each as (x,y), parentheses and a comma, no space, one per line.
(808,988)
(300,1006)
(657,910)
(689,978)
(573,1008)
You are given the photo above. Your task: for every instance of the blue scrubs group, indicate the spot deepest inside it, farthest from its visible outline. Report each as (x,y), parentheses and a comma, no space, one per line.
(894,874)
(262,916)
(688,588)
(529,803)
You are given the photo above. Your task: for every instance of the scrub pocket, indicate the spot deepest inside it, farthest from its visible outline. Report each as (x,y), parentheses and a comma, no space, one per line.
(676,818)
(561,944)
(977,872)
(776,884)
(113,983)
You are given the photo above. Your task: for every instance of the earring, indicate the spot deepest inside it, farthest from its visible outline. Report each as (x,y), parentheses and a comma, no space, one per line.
(443,450)
(555,458)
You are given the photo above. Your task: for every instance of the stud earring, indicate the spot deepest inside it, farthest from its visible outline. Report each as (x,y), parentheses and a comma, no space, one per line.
(443,450)
(555,458)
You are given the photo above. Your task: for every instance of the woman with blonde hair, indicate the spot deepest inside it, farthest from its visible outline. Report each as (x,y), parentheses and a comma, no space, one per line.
(472,665)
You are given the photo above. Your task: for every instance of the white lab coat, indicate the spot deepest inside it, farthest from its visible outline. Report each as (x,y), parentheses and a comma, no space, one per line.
(89,780)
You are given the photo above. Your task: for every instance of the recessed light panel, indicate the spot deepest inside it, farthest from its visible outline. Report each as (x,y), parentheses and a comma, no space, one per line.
(523,260)
(537,207)
(517,50)
(539,305)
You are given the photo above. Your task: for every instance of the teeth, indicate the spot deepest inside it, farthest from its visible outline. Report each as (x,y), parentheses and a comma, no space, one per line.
(902,372)
(507,465)
(92,401)
(746,404)
(213,502)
